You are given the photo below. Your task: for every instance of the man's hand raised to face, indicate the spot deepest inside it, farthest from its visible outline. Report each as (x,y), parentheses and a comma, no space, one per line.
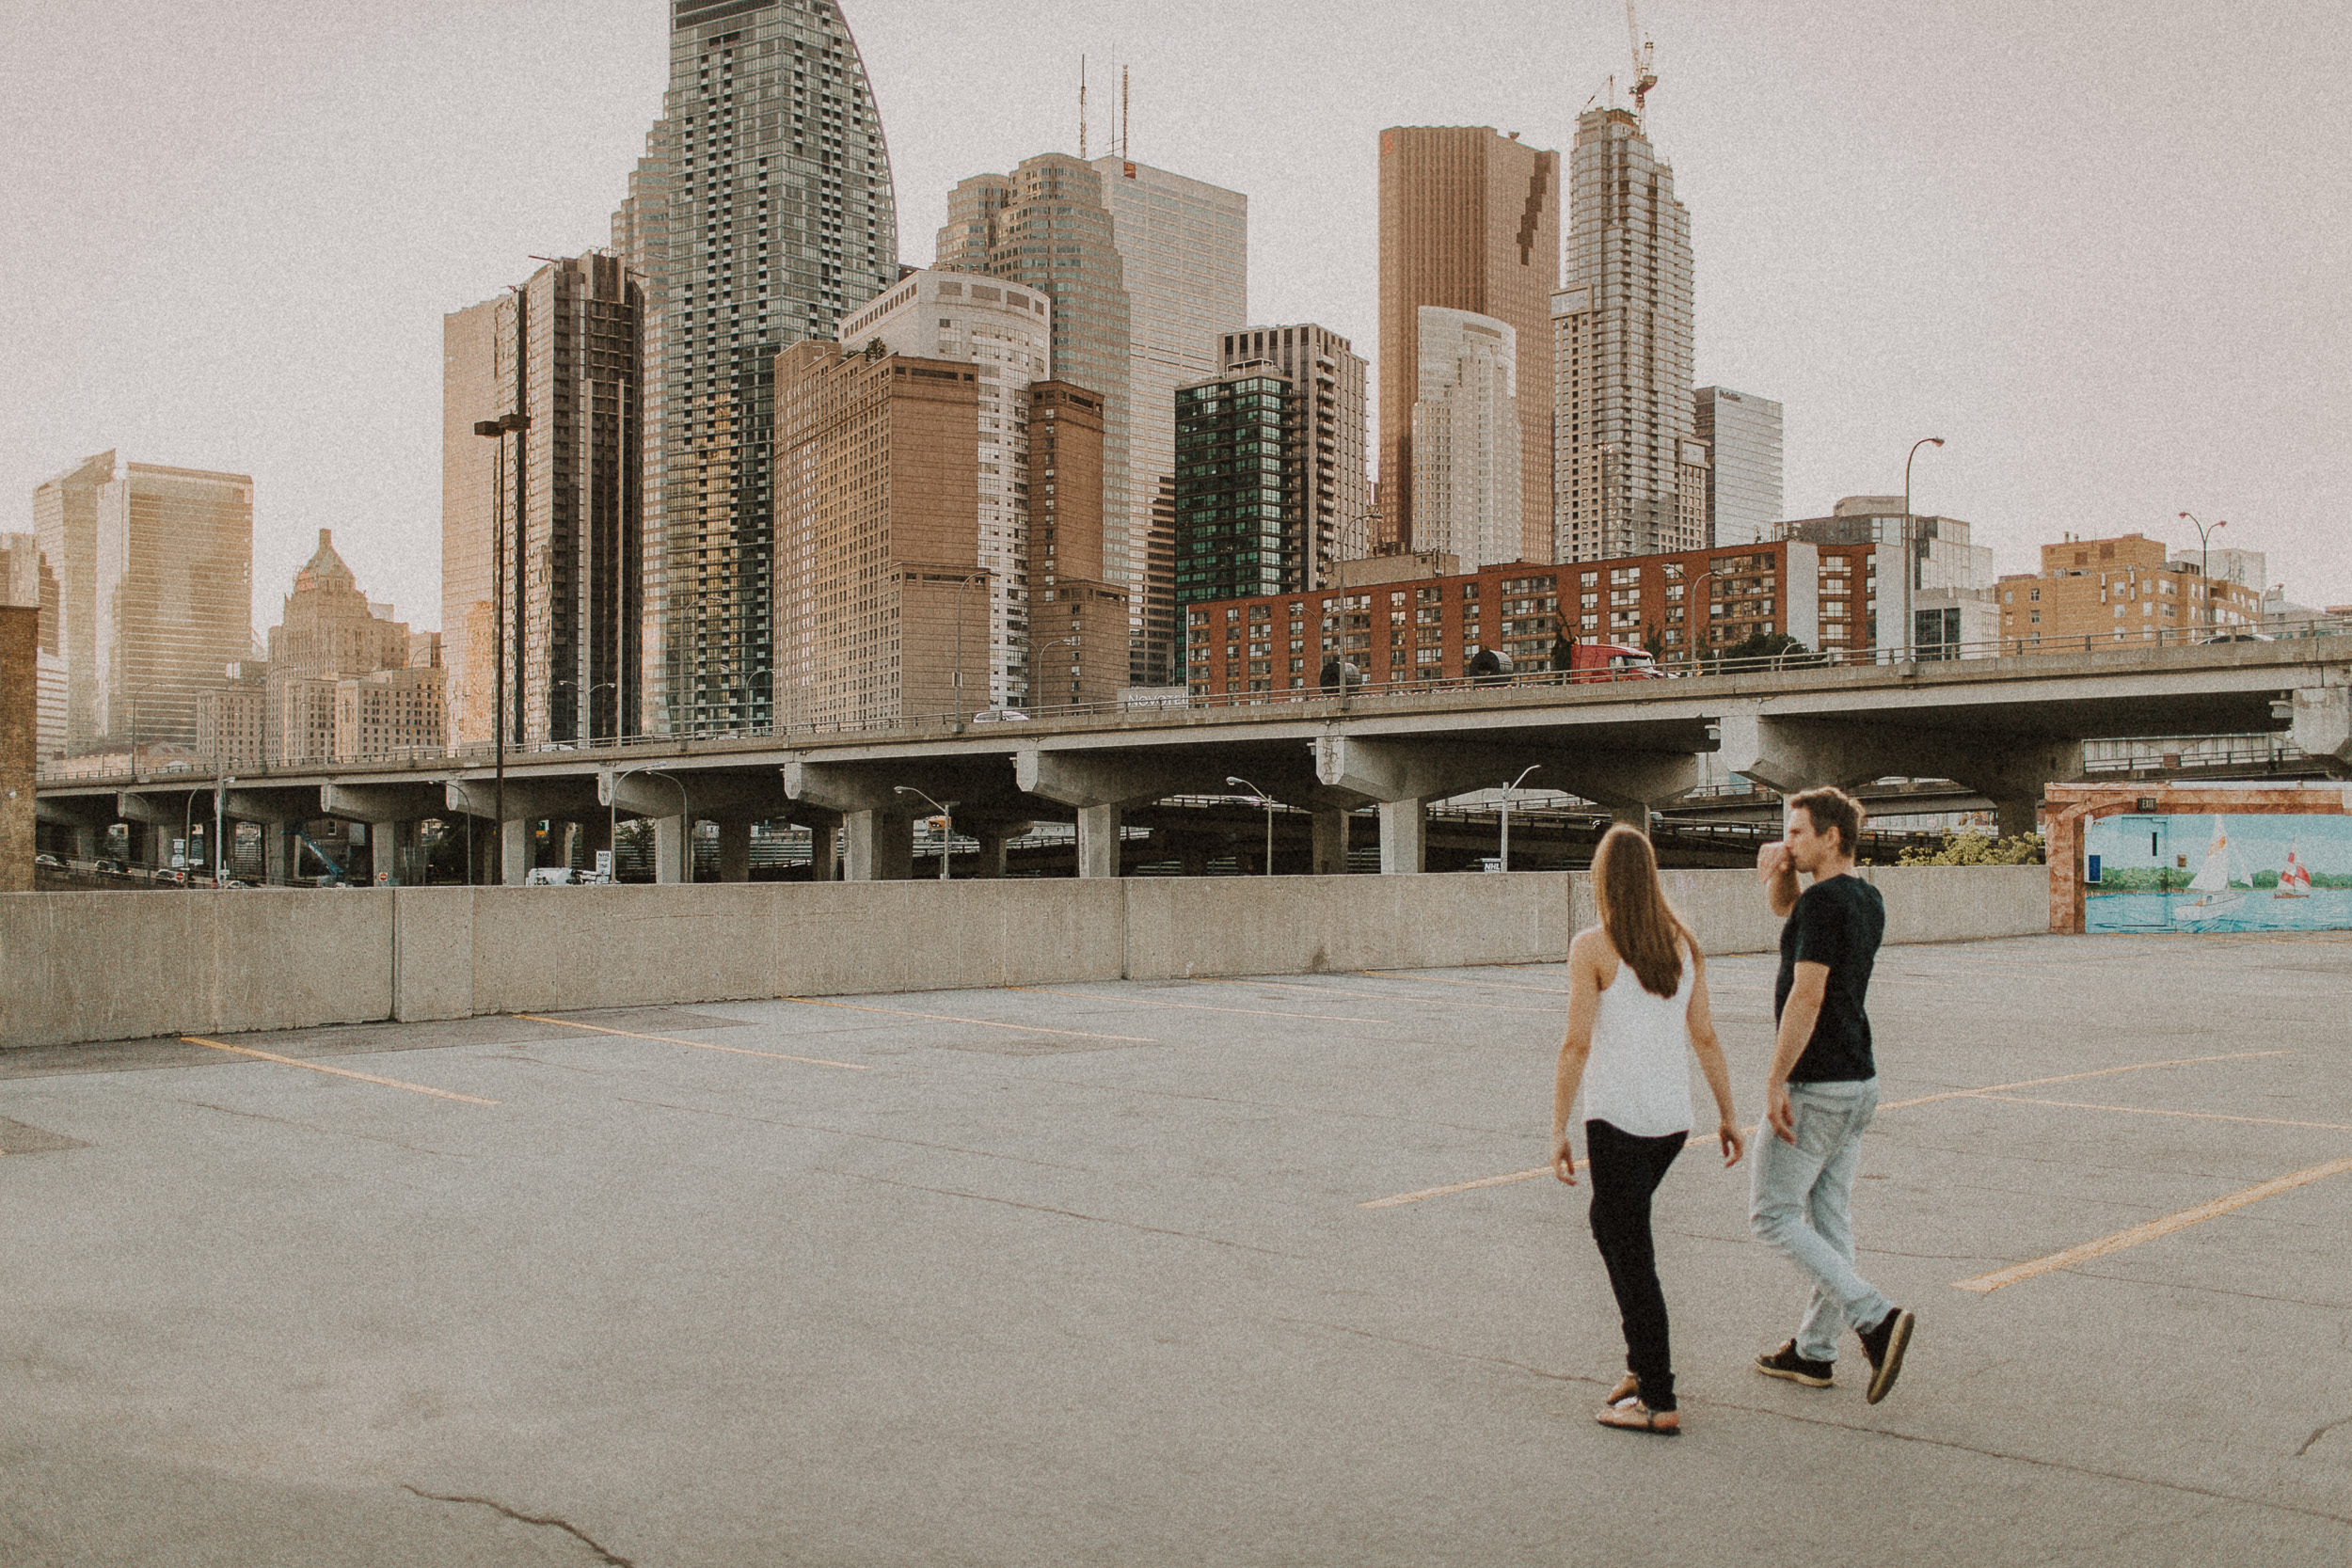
(1773,860)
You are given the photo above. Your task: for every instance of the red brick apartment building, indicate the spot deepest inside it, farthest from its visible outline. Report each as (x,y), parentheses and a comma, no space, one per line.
(1429,627)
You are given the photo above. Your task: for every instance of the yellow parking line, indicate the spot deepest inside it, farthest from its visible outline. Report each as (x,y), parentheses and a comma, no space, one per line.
(2190,1116)
(1194,1007)
(2074,1077)
(2124,1239)
(338,1071)
(1402,1199)
(983,1022)
(698,1045)
(1989,1091)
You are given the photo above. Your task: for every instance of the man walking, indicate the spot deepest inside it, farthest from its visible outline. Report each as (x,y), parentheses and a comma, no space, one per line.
(1821,1091)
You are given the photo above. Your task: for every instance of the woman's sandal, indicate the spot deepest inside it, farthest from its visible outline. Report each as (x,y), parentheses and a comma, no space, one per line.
(1629,1387)
(1633,1416)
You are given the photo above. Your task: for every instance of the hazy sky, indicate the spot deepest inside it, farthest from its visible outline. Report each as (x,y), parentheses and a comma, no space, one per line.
(2100,247)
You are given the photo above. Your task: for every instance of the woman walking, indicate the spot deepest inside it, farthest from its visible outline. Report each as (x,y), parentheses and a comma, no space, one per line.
(1637,1004)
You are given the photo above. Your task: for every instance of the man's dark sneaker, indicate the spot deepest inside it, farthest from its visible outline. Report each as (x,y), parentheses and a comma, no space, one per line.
(1786,1362)
(1884,1345)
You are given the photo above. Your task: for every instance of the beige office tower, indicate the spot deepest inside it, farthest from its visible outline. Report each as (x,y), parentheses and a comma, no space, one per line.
(579,552)
(1622,329)
(1467,439)
(1185,247)
(154,574)
(1335,479)
(760,215)
(1077,616)
(1469,221)
(328,626)
(1006,333)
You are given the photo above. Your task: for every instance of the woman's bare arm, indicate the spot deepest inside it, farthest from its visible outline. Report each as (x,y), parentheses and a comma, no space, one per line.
(1583,1007)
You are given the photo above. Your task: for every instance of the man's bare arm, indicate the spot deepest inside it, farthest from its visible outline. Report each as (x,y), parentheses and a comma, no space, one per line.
(1778,873)
(1797,1019)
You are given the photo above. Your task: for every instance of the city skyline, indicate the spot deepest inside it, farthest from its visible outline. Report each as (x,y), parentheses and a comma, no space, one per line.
(2035,321)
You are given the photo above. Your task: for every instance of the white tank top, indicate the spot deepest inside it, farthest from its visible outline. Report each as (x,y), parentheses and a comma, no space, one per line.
(1638,1077)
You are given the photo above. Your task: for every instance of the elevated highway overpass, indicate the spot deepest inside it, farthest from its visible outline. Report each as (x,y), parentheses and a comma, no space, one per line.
(2001,728)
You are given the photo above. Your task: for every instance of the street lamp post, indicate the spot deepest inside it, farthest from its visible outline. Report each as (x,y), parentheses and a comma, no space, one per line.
(1506,810)
(1266,801)
(1036,652)
(589,696)
(220,861)
(1911,564)
(497,430)
(947,823)
(2205,571)
(958,693)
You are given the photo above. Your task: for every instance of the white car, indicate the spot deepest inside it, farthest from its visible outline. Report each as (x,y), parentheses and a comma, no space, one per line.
(1000,716)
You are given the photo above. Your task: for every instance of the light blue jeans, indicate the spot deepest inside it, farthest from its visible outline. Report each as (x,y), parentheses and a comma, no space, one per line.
(1802,1205)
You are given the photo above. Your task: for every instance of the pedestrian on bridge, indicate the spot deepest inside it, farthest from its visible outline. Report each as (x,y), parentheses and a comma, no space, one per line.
(1821,1091)
(1637,1011)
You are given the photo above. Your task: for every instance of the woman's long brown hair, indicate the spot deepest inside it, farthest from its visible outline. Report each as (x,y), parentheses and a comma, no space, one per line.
(1635,914)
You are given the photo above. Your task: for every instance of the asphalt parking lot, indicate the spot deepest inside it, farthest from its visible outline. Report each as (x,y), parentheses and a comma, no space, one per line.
(1244,1271)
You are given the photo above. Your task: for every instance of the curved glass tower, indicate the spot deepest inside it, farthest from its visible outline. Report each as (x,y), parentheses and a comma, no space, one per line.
(761,214)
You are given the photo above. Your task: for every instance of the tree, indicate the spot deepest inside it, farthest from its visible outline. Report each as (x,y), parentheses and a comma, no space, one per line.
(1977,850)
(1652,641)
(1777,646)
(1562,650)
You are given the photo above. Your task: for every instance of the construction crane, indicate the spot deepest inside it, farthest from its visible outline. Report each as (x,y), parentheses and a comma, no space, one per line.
(1644,78)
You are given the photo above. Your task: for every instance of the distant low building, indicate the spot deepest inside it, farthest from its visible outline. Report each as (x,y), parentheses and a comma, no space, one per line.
(1950,596)
(1428,627)
(2093,592)
(391,715)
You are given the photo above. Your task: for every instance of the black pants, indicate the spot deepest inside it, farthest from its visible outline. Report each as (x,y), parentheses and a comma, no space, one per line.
(1625,1171)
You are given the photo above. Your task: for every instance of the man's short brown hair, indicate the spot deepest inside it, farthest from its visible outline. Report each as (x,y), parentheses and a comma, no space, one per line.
(1832,808)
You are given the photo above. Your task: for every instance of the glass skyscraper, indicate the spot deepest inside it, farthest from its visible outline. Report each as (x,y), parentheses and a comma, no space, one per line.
(760,215)
(1743,494)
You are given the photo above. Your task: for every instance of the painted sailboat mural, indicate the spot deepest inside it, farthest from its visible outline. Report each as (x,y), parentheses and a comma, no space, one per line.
(2214,896)
(2206,875)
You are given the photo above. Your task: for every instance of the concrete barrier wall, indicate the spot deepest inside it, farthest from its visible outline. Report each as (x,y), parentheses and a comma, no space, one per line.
(103,966)
(92,966)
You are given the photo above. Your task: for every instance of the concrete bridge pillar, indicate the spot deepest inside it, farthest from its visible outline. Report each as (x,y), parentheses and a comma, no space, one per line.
(1097,841)
(1329,829)
(517,841)
(824,853)
(672,843)
(1404,837)
(734,851)
(1192,855)
(2322,718)
(992,840)
(85,843)
(881,846)
(1630,814)
(281,851)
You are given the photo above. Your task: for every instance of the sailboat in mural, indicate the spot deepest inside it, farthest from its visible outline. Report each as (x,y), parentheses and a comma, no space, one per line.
(2293,881)
(2214,896)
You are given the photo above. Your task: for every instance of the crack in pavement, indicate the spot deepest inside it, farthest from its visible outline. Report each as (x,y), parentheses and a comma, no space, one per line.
(603,1553)
(2320,1434)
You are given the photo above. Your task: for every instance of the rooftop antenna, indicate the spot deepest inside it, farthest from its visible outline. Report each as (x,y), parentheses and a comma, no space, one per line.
(1082,108)
(1124,156)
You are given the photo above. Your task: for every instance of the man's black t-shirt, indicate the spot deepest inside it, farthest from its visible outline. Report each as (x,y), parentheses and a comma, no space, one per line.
(1838,921)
